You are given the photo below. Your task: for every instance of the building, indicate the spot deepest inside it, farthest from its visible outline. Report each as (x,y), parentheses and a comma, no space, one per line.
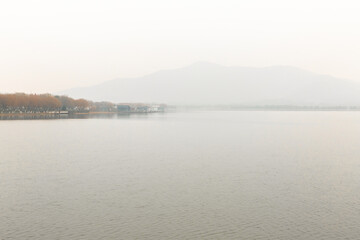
(143,109)
(123,108)
(154,108)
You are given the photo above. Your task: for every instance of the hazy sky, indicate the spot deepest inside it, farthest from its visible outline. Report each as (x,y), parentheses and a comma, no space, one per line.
(47,46)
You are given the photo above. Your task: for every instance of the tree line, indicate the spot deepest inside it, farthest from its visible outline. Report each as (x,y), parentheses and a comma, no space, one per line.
(39,103)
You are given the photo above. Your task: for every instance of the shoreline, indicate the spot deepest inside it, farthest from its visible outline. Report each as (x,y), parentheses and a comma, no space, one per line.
(51,114)
(66,114)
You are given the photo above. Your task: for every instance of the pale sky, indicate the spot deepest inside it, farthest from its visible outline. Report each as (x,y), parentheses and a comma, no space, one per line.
(48,46)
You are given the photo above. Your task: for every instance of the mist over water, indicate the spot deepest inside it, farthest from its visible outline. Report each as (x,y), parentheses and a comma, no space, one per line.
(220,119)
(190,175)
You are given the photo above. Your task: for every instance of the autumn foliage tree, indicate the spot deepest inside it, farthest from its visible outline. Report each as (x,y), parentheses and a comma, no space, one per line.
(33,103)
(38,103)
(20,102)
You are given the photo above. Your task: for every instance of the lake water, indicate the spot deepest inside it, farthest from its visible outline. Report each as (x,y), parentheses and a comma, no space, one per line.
(191,175)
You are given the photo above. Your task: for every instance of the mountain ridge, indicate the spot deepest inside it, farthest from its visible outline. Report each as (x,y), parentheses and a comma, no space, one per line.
(208,83)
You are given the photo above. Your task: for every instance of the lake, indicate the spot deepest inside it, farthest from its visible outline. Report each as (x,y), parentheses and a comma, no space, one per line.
(184,175)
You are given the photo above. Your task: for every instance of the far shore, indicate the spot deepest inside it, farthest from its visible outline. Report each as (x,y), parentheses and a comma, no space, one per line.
(63,114)
(52,113)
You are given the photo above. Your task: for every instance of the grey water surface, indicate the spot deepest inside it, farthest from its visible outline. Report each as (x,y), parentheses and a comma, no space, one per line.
(189,175)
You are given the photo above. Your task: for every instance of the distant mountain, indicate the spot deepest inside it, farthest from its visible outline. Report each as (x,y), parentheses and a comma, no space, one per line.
(205,83)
